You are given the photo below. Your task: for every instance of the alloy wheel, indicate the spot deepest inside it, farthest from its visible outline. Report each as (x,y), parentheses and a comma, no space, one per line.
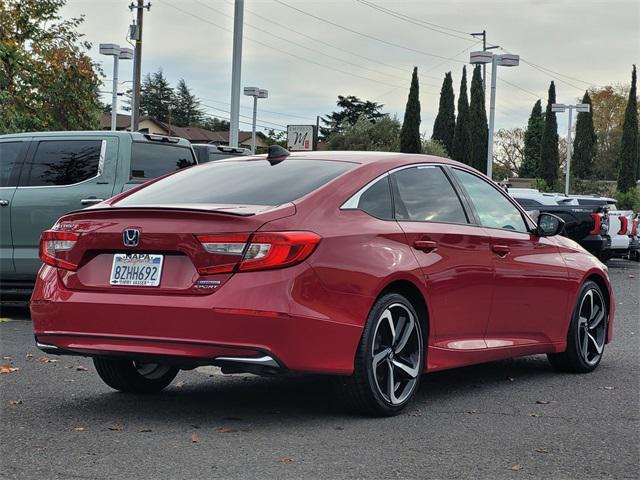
(151,371)
(396,357)
(592,326)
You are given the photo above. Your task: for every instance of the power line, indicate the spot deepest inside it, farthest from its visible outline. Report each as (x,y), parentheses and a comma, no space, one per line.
(243,116)
(288,40)
(246,123)
(291,115)
(365,35)
(278,49)
(419,23)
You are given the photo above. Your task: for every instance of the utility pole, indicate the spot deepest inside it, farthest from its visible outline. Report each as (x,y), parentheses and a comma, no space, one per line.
(234,127)
(483,34)
(578,107)
(137,62)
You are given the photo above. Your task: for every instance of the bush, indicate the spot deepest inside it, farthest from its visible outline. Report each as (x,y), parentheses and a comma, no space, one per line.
(541,185)
(434,147)
(628,200)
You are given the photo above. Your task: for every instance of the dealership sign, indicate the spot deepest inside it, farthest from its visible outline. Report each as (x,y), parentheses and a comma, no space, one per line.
(301,137)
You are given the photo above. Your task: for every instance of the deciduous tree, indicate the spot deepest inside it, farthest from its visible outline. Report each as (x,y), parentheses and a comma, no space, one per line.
(383,135)
(351,110)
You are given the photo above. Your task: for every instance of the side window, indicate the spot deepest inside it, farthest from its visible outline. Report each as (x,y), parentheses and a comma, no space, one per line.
(10,156)
(425,194)
(494,209)
(63,162)
(151,160)
(376,200)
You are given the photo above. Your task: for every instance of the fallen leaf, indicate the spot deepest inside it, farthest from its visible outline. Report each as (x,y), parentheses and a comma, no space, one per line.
(8,368)
(608,388)
(632,276)
(45,359)
(79,429)
(533,415)
(516,468)
(511,379)
(285,460)
(194,438)
(145,430)
(116,428)
(7,357)
(472,411)
(29,355)
(542,402)
(227,430)
(542,450)
(80,368)
(179,385)
(15,402)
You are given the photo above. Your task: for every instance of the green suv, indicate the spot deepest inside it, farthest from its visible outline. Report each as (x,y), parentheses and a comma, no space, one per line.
(47,174)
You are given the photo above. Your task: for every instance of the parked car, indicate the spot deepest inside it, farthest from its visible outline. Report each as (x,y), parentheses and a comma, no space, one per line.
(45,175)
(586,224)
(208,152)
(375,267)
(623,243)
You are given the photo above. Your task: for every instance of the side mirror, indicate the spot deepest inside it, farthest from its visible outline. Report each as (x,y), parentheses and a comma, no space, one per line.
(548,225)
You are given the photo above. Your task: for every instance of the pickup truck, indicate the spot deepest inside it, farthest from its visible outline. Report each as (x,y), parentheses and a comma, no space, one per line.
(47,174)
(586,224)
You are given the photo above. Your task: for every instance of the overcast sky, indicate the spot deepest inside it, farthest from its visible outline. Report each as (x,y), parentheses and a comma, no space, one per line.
(586,42)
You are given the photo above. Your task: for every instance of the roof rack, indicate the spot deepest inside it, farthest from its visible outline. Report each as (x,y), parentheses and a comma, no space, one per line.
(160,138)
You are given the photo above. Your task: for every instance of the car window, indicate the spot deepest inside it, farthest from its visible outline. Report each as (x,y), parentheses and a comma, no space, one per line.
(424,193)
(494,209)
(527,202)
(63,162)
(255,182)
(151,160)
(10,153)
(376,200)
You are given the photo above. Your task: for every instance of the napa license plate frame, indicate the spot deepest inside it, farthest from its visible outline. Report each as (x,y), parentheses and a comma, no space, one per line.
(136,269)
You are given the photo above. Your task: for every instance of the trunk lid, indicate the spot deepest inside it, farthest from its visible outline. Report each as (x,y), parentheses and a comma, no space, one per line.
(163,230)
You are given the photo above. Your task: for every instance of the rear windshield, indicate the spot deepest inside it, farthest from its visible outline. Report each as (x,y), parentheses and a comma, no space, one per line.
(254,182)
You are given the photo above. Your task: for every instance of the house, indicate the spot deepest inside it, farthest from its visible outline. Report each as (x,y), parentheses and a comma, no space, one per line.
(193,134)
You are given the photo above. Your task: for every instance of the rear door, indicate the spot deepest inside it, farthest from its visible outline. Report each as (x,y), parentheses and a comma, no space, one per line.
(531,282)
(60,174)
(454,255)
(11,157)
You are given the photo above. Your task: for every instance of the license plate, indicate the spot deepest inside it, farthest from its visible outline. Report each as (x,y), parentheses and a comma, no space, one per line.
(136,269)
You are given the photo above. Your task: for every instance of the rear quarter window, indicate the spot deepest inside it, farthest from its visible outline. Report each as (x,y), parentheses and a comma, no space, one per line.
(63,162)
(152,160)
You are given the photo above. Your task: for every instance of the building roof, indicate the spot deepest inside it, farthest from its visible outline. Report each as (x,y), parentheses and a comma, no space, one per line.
(123,121)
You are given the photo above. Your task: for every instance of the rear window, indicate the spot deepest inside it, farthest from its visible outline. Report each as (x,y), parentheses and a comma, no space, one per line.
(63,162)
(151,160)
(255,182)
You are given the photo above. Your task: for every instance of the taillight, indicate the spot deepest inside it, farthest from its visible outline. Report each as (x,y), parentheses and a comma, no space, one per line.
(624,223)
(597,220)
(260,252)
(52,243)
(634,227)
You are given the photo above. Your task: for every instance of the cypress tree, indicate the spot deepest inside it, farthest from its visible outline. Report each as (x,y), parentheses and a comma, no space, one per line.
(628,159)
(549,153)
(584,145)
(532,137)
(445,123)
(461,148)
(478,123)
(410,133)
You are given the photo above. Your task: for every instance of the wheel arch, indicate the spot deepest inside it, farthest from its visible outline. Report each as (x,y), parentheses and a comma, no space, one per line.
(413,293)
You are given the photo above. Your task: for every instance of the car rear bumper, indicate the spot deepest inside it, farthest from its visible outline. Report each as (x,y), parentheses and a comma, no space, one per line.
(596,244)
(252,316)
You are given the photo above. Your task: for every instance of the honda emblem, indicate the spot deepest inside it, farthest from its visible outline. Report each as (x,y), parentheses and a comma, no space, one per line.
(131,237)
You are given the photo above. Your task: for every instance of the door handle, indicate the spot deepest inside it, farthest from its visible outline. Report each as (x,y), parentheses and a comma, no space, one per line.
(91,201)
(425,246)
(501,250)
(3,202)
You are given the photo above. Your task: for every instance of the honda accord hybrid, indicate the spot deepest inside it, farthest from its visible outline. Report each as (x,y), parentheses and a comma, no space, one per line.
(371,267)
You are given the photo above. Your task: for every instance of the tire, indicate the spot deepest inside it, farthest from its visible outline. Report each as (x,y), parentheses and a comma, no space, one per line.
(587,333)
(134,377)
(400,356)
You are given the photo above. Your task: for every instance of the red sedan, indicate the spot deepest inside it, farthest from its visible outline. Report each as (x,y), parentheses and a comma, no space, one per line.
(375,267)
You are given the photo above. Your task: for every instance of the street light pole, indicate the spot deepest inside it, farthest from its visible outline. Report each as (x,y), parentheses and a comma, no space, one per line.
(114,50)
(234,127)
(504,60)
(580,108)
(256,93)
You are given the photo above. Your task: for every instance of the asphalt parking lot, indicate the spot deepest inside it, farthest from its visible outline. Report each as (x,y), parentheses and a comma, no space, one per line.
(508,419)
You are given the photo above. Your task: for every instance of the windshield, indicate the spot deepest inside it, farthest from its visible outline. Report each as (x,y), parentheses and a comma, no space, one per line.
(254,182)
